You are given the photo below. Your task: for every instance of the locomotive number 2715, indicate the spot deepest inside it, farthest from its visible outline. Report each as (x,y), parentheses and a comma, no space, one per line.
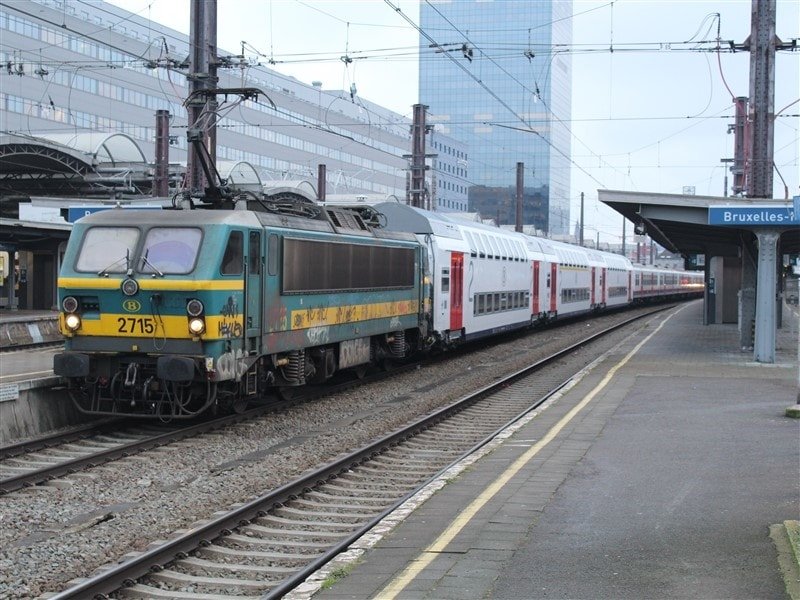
(144,325)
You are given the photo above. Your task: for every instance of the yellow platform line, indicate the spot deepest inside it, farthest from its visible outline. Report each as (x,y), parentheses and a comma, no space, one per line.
(399,583)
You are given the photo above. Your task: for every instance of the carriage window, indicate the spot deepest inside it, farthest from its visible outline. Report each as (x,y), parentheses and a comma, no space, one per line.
(507,246)
(473,249)
(232,260)
(107,249)
(481,247)
(498,253)
(170,250)
(487,245)
(254,256)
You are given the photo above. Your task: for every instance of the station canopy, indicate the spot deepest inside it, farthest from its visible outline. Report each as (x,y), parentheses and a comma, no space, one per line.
(241,175)
(680,223)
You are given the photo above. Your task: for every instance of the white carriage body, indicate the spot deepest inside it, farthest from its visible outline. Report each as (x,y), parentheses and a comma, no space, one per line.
(485,280)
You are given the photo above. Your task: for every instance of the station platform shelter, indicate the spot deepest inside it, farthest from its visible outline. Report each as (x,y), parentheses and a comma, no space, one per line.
(739,242)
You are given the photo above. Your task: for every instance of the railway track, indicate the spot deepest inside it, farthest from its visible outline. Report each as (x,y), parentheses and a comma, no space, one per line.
(268,546)
(34,462)
(30,463)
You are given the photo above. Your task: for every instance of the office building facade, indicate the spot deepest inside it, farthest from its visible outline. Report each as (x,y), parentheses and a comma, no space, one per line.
(80,67)
(492,80)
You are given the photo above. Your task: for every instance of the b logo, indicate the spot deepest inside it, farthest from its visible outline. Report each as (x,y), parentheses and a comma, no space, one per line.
(132,306)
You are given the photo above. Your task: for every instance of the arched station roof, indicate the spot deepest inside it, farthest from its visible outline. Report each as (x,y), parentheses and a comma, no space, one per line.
(105,149)
(241,175)
(59,163)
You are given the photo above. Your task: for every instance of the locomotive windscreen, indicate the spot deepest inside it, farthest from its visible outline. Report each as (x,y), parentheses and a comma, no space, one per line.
(314,266)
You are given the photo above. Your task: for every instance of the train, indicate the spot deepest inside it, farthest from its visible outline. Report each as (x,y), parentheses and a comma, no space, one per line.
(170,314)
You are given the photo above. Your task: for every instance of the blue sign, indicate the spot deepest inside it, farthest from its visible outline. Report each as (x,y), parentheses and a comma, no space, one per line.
(78,212)
(763,215)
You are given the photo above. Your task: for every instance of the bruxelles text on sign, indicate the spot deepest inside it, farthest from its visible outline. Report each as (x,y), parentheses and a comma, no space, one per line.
(753,216)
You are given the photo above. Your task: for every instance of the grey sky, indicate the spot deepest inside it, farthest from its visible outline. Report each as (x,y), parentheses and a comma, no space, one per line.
(653,120)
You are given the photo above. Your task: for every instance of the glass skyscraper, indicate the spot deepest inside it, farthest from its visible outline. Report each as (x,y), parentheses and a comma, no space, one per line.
(492,78)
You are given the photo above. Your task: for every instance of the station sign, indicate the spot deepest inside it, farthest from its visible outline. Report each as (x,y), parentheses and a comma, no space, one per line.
(78,212)
(761,215)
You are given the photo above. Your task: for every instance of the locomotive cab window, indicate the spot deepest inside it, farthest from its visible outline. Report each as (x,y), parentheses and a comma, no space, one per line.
(107,249)
(233,258)
(170,250)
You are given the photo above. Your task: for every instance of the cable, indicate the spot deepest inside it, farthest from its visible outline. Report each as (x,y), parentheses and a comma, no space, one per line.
(785,107)
(485,87)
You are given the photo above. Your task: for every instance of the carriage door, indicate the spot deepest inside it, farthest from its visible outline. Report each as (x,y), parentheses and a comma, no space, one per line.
(553,286)
(603,288)
(254,290)
(594,281)
(456,290)
(630,286)
(535,309)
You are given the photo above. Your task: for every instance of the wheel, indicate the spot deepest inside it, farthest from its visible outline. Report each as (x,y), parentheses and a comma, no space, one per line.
(240,405)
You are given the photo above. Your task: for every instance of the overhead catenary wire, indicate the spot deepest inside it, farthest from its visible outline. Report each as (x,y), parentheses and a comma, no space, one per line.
(573,48)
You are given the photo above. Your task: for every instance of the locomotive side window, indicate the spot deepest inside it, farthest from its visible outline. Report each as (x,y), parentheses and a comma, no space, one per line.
(254,257)
(315,266)
(232,260)
(107,249)
(170,250)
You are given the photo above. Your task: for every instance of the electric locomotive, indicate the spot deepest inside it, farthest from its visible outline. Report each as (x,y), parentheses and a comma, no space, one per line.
(171,313)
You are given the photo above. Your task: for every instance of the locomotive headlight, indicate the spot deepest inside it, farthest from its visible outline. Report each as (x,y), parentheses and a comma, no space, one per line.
(196,326)
(194,307)
(72,321)
(129,287)
(69,304)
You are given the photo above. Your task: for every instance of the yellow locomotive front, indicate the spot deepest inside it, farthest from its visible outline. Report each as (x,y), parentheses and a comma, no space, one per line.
(152,303)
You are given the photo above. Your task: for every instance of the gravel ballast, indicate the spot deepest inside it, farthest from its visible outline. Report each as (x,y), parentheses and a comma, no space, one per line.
(67,528)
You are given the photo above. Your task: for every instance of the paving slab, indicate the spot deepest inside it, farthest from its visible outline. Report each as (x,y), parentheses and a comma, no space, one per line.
(664,485)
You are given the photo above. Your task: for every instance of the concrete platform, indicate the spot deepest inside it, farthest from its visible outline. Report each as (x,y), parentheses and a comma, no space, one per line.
(28,327)
(31,402)
(657,475)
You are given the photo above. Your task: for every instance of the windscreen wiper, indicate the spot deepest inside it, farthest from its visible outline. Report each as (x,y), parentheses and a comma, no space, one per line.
(104,272)
(151,265)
